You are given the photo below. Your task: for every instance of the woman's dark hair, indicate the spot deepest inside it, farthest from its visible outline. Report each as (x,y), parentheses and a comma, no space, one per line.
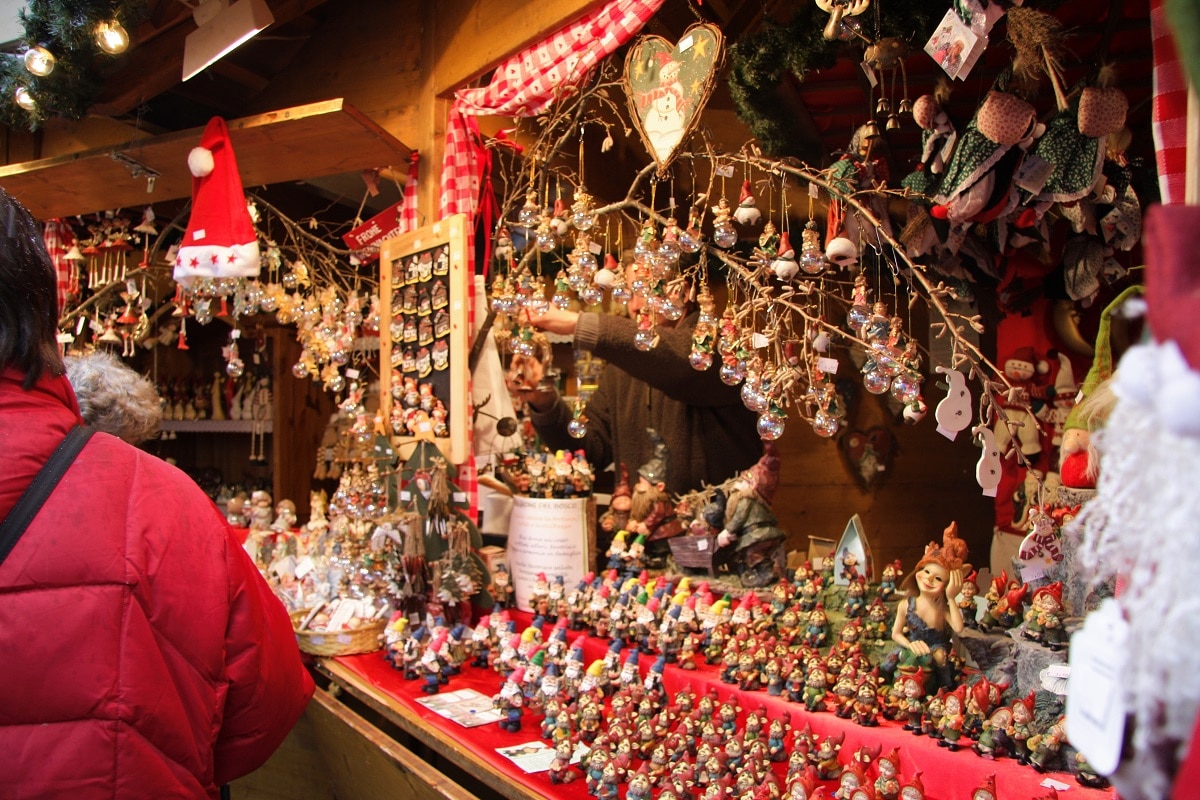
(28,295)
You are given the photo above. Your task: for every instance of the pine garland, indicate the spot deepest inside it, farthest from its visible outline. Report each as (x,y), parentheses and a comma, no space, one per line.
(758,63)
(67,29)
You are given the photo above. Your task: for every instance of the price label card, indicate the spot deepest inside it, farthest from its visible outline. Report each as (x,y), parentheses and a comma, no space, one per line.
(1095,701)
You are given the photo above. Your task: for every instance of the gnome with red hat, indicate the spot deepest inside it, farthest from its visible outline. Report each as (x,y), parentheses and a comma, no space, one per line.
(751,527)
(1044,618)
(747,212)
(220,241)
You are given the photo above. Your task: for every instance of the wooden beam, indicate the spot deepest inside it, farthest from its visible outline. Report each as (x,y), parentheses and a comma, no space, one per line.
(275,147)
(156,66)
(486,32)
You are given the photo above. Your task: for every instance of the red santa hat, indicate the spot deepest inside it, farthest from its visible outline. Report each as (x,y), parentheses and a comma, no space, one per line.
(220,241)
(746,198)
(988,785)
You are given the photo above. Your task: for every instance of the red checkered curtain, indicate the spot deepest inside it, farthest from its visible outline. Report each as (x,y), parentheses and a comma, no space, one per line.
(59,237)
(1169,111)
(525,86)
(408,212)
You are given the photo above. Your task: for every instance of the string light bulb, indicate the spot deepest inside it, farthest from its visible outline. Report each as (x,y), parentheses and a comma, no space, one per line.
(111,37)
(39,61)
(24,99)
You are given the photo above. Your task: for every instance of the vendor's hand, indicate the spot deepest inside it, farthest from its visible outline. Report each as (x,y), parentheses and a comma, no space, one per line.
(555,320)
(725,538)
(954,583)
(918,648)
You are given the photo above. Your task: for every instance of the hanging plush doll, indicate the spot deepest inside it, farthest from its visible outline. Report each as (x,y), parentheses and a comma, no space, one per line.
(1078,462)
(978,182)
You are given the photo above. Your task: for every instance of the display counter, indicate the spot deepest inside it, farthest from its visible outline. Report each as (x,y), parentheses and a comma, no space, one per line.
(946,775)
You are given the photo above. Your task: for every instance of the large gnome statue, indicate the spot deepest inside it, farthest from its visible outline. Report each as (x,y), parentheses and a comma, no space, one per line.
(751,526)
(220,241)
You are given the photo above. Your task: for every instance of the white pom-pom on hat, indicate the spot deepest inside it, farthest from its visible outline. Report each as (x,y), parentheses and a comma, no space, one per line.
(200,161)
(1138,375)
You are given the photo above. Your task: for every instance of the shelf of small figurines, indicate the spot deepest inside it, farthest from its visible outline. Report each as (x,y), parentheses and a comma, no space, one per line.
(819,660)
(215,426)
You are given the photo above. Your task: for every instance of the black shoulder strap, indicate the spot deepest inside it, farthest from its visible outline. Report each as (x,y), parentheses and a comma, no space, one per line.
(40,488)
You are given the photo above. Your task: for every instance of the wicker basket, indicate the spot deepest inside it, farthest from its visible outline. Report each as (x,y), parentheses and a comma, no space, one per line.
(340,643)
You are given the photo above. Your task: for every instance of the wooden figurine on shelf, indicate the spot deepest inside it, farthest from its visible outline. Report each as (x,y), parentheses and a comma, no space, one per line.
(560,768)
(1044,618)
(511,701)
(887,782)
(951,725)
(1021,728)
(829,767)
(865,709)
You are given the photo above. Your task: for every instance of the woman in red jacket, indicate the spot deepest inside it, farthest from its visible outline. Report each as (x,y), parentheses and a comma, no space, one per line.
(143,654)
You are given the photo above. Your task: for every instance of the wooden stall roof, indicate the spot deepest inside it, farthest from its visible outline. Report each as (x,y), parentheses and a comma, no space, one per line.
(309,141)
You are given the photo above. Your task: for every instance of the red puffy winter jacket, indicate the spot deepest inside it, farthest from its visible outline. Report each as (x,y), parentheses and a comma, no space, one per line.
(142,654)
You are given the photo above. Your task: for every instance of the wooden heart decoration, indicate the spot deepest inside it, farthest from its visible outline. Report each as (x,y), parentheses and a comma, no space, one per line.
(868,454)
(667,86)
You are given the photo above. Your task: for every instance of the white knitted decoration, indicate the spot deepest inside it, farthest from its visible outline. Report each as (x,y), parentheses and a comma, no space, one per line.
(1144,526)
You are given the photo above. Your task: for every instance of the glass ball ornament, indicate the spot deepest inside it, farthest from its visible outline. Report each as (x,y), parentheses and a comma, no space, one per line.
(577,428)
(335,383)
(235,368)
(300,370)
(586,260)
(289,281)
(545,240)
(529,215)
(724,235)
(646,339)
(621,293)
(771,424)
(591,294)
(857,316)
(700,359)
(339,356)
(690,241)
(645,247)
(202,310)
(885,360)
(826,425)
(876,382)
(671,310)
(906,387)
(269,303)
(583,219)
(733,372)
(560,299)
(754,398)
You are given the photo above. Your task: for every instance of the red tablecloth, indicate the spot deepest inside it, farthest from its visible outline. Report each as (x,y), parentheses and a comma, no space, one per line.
(946,775)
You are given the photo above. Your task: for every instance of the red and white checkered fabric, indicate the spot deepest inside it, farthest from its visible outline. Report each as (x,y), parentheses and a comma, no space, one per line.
(408,212)
(1169,111)
(524,86)
(59,237)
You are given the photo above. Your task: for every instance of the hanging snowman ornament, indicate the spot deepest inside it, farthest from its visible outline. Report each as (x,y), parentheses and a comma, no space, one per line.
(953,414)
(747,212)
(988,469)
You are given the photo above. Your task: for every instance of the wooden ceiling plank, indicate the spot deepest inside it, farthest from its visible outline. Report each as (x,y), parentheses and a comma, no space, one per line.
(487,32)
(157,65)
(276,147)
